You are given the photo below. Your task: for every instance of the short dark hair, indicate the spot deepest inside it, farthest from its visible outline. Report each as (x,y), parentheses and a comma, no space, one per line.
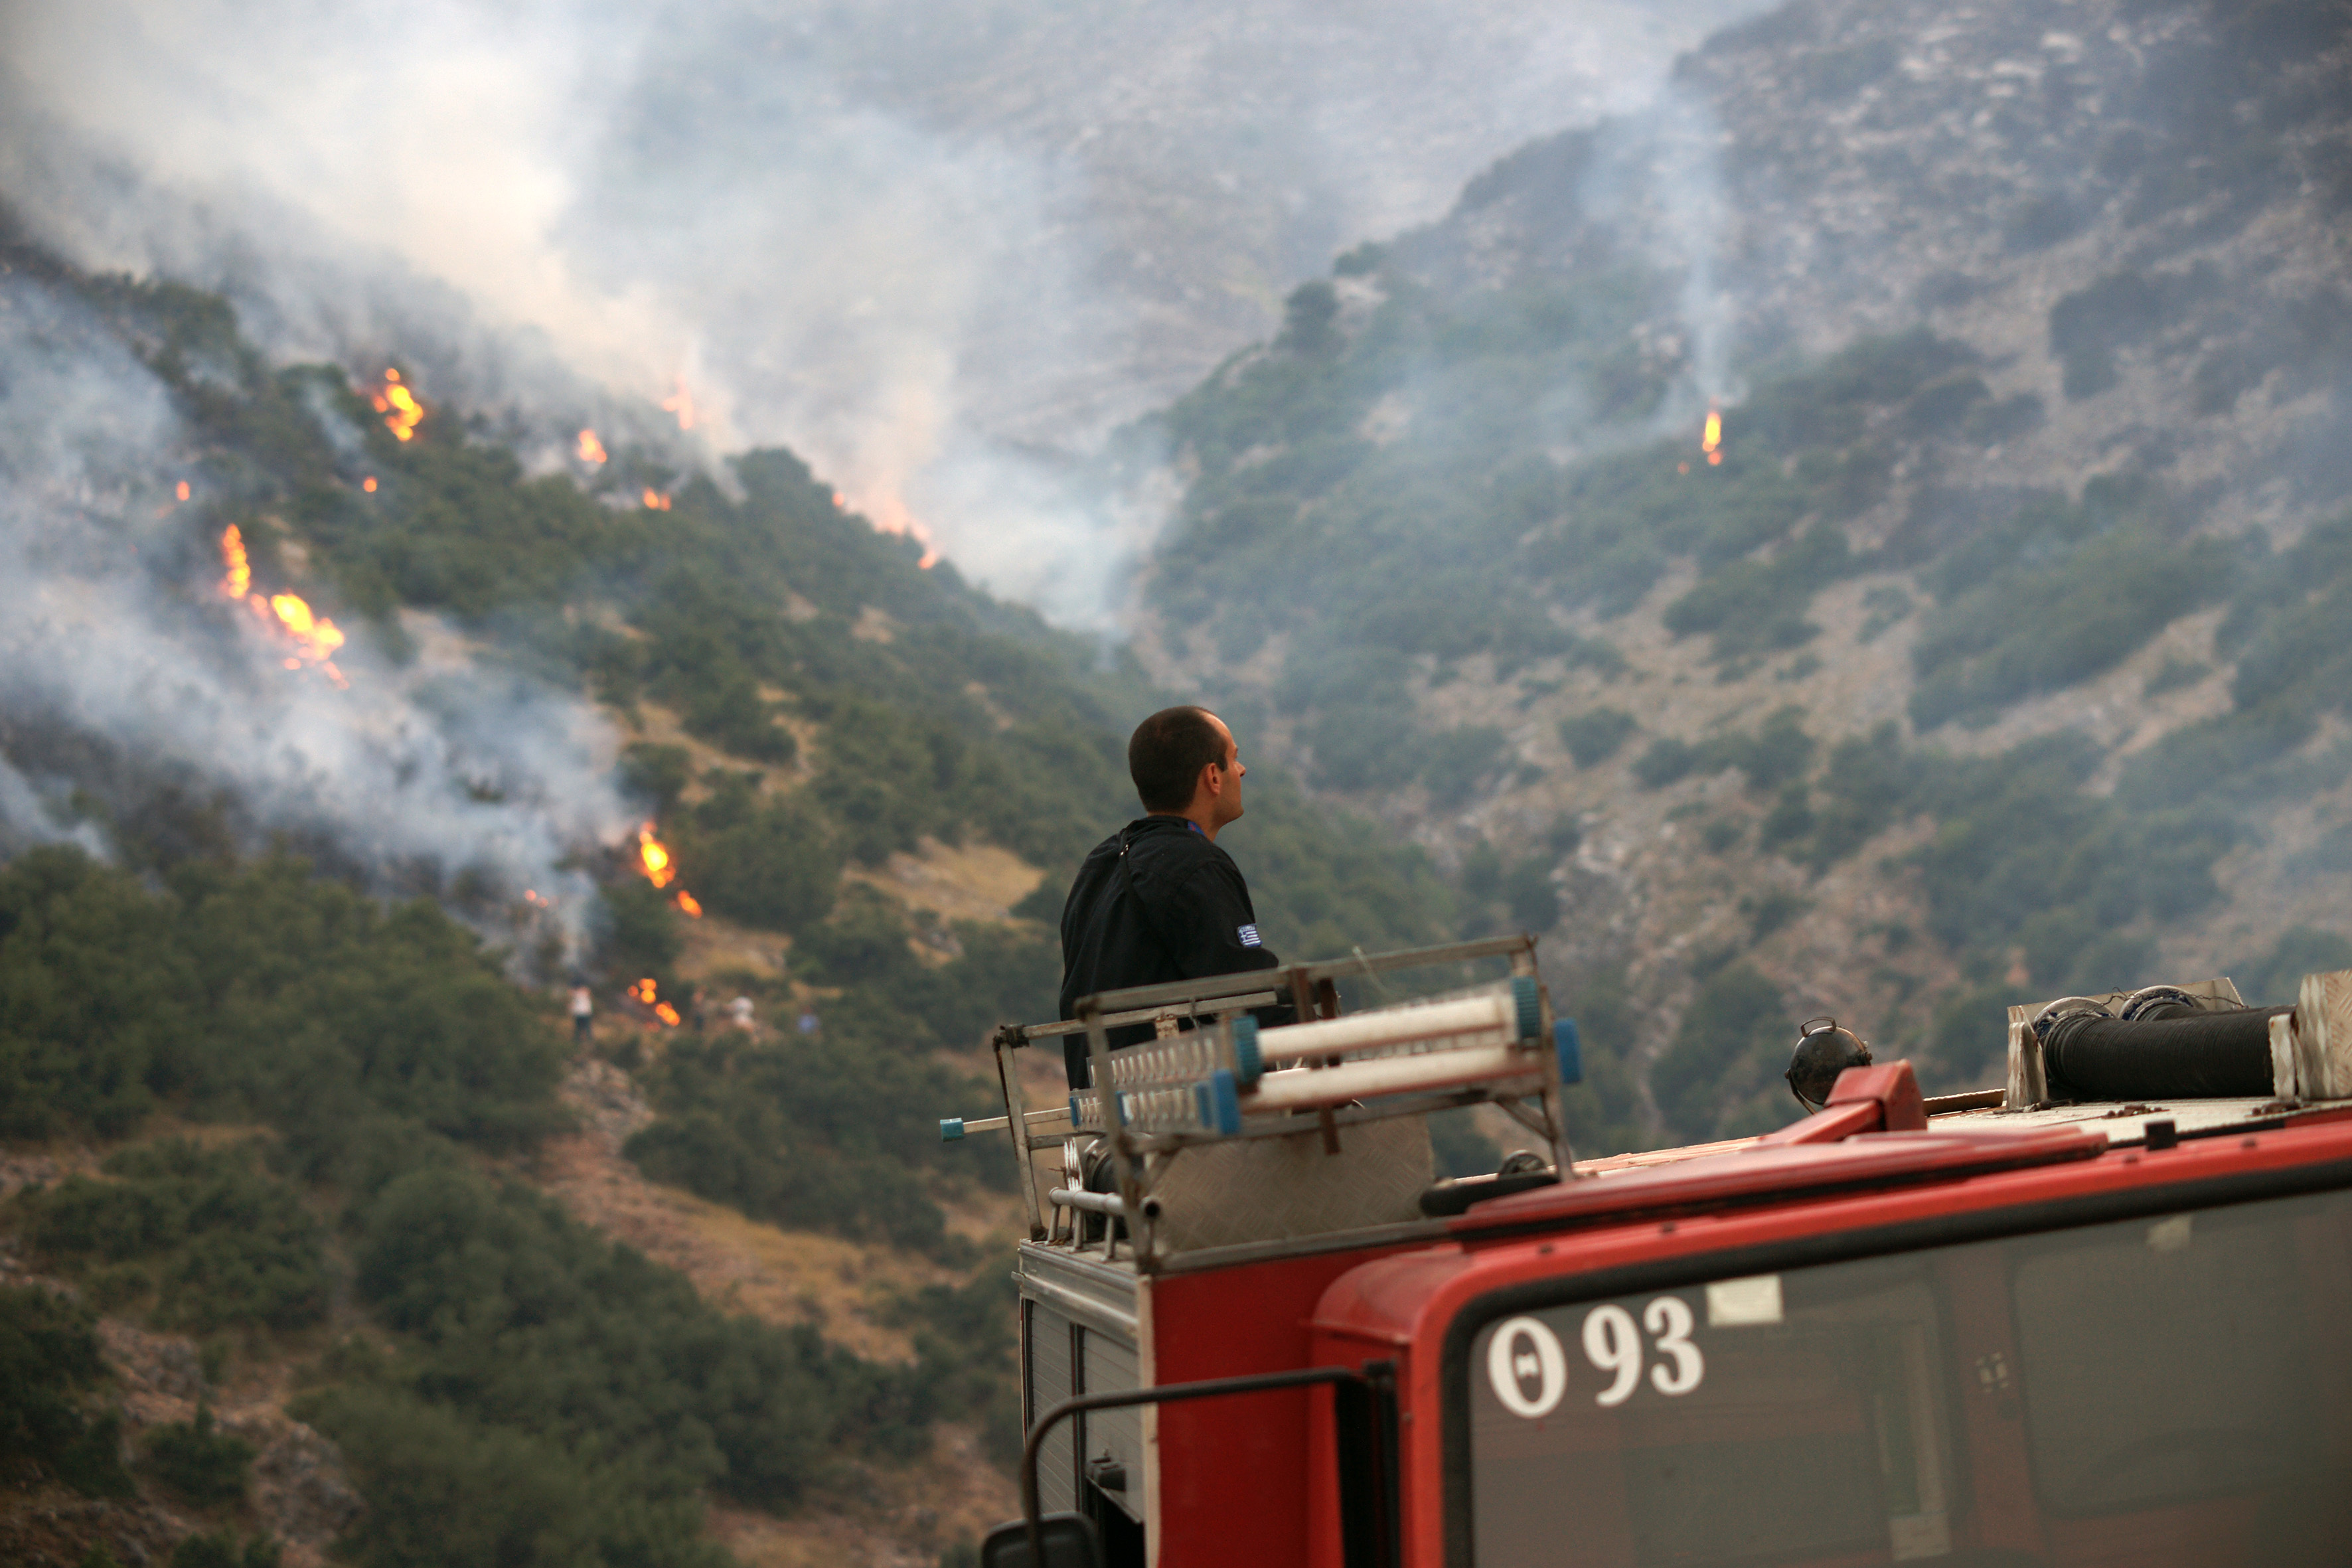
(1168,751)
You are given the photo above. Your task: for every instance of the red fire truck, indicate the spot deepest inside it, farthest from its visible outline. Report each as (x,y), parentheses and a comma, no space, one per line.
(2095,1316)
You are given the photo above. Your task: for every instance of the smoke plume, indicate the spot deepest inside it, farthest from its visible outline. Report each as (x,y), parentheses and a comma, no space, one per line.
(939,251)
(116,639)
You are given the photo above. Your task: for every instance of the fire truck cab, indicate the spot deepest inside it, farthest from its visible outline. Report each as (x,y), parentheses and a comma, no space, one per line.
(2015,1327)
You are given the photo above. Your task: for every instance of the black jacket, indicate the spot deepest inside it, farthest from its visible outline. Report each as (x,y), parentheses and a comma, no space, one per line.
(1179,910)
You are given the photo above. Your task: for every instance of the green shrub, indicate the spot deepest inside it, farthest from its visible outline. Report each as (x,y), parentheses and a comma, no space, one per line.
(1604,1112)
(1531,896)
(1459,760)
(445,1491)
(529,1322)
(643,933)
(1758,606)
(224,1244)
(1777,755)
(657,774)
(1594,736)
(816,1133)
(2272,979)
(2054,594)
(1727,1039)
(1459,1147)
(774,868)
(1667,760)
(202,1465)
(220,1549)
(49,1366)
(887,778)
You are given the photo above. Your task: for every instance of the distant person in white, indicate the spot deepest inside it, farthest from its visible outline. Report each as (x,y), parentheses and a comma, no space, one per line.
(583,1014)
(739,1011)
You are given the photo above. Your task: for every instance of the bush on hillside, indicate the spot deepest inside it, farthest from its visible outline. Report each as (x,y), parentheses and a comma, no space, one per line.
(530,1321)
(1733,1029)
(220,1243)
(207,1466)
(218,1548)
(1668,760)
(454,1493)
(770,865)
(261,991)
(2275,978)
(826,1134)
(1594,736)
(51,1365)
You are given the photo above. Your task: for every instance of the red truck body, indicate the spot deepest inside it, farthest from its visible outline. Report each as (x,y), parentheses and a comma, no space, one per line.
(2004,1336)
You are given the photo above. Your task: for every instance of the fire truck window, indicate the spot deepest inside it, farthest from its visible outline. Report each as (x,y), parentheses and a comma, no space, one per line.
(1819,1435)
(2216,1301)
(2175,1388)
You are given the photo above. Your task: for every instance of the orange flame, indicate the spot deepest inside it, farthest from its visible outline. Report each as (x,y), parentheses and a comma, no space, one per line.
(890,515)
(1711,441)
(656,857)
(368,484)
(690,903)
(401,410)
(656,501)
(182,491)
(681,403)
(239,577)
(592,450)
(316,638)
(647,992)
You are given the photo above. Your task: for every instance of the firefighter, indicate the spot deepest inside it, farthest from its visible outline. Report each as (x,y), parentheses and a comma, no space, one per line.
(1159,900)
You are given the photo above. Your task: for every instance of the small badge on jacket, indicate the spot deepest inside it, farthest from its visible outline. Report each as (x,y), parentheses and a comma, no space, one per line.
(1249,936)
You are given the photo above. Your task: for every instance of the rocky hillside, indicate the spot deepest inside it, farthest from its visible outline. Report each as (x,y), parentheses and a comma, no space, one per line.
(343,730)
(1991,644)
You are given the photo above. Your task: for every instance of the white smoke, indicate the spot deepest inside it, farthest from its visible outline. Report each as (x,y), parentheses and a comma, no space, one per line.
(922,245)
(112,628)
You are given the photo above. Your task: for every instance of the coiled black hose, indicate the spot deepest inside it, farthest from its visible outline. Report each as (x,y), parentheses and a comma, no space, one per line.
(2169,1052)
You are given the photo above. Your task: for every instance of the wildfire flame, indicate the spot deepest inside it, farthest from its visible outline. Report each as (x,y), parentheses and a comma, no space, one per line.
(656,857)
(182,490)
(656,501)
(1711,441)
(653,856)
(368,484)
(239,578)
(592,450)
(401,413)
(681,403)
(890,515)
(647,992)
(315,637)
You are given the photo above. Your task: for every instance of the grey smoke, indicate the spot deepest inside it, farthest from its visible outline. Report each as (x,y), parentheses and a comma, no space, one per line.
(940,251)
(112,628)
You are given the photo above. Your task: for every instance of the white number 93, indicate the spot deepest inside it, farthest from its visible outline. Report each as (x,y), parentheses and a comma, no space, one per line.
(1613,1344)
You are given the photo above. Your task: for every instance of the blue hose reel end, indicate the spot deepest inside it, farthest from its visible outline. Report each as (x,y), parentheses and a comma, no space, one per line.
(1218,1104)
(1249,1065)
(1529,999)
(1565,1041)
(950,1129)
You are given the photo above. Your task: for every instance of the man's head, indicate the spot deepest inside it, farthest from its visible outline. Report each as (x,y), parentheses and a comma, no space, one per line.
(1185,763)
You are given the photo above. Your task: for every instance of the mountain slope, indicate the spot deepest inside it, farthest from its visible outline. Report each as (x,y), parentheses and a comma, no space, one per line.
(1980,652)
(340,727)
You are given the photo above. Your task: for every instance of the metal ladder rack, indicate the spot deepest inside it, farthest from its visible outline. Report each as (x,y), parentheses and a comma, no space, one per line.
(1227,1080)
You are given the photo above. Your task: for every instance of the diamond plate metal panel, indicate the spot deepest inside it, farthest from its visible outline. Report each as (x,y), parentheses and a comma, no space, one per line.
(1282,1189)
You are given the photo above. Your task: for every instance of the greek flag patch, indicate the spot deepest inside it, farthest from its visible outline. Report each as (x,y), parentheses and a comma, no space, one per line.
(1249,936)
